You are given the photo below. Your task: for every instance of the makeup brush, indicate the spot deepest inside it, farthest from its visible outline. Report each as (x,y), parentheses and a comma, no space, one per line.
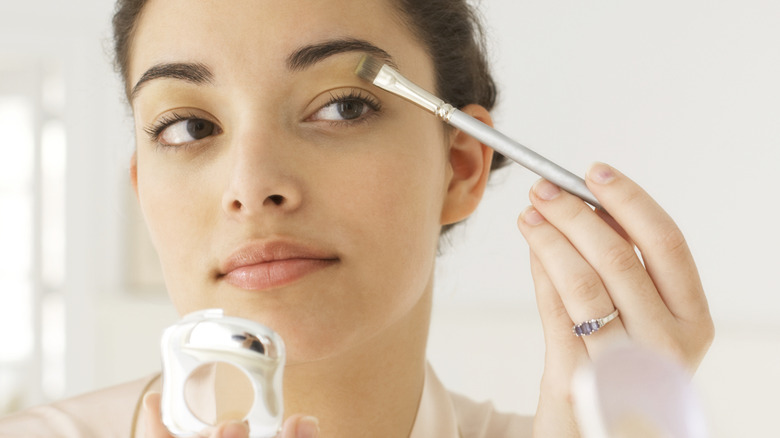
(387,78)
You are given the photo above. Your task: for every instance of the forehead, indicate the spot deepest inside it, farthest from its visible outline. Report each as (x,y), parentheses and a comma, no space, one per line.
(259,35)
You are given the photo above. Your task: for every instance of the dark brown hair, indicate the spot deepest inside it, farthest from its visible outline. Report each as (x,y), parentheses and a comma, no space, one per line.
(452,32)
(126,17)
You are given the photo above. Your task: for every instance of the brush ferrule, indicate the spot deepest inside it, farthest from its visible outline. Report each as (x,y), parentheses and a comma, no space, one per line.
(392,81)
(445,112)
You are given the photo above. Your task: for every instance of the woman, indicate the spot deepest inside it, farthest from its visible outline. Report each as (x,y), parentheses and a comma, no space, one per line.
(282,188)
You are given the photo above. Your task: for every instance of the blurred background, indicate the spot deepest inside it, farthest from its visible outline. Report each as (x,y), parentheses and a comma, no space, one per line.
(681,95)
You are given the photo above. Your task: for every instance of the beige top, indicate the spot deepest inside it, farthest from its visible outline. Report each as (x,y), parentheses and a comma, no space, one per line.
(113,412)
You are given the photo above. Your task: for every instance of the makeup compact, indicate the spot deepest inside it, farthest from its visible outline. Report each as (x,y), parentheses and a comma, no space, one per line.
(209,337)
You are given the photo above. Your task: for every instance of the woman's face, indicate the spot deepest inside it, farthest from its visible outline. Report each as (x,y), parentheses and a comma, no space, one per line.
(296,195)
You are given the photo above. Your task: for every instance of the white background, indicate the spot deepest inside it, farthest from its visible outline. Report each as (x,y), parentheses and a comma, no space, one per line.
(683,96)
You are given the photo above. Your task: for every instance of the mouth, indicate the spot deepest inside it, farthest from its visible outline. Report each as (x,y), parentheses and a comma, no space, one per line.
(270,265)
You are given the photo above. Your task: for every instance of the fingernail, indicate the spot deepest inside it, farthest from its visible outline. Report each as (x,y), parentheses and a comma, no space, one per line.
(235,430)
(531,216)
(546,190)
(601,173)
(308,427)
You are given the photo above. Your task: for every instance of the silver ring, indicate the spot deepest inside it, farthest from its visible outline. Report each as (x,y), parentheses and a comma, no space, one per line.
(589,327)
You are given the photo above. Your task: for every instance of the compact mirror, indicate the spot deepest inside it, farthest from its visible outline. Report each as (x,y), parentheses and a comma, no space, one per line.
(218,392)
(207,355)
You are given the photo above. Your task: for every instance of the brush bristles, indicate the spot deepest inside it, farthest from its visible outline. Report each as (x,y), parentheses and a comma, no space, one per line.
(368,68)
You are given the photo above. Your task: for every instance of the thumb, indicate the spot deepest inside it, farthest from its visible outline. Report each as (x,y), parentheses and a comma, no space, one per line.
(231,429)
(301,426)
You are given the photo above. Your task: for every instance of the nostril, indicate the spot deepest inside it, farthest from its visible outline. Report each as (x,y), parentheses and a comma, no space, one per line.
(276,199)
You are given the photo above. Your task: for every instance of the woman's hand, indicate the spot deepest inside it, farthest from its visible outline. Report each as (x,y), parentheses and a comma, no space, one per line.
(296,426)
(585,265)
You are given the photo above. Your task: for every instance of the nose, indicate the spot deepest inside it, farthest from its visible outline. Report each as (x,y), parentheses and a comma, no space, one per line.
(263,178)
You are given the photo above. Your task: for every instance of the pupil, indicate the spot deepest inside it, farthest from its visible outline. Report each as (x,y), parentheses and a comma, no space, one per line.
(350,109)
(199,129)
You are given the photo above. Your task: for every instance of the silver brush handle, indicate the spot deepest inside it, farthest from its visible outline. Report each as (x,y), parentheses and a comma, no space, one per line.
(522,155)
(390,80)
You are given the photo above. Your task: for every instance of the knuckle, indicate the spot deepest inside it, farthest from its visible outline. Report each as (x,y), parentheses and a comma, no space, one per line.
(672,240)
(574,211)
(586,287)
(621,258)
(710,332)
(632,196)
(555,316)
(706,332)
(692,342)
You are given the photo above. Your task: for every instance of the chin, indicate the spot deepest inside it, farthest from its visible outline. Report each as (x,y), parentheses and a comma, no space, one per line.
(304,346)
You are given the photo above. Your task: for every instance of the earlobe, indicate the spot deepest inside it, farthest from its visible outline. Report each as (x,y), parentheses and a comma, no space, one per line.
(470,163)
(134,172)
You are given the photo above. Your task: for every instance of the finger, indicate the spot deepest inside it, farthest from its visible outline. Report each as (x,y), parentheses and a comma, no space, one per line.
(580,289)
(612,257)
(232,429)
(153,425)
(301,426)
(562,347)
(614,225)
(666,254)
(564,353)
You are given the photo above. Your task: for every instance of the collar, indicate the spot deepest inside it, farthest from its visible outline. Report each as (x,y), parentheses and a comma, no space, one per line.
(436,414)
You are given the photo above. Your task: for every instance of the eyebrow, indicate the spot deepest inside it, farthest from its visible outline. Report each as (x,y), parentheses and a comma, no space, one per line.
(308,55)
(194,72)
(300,59)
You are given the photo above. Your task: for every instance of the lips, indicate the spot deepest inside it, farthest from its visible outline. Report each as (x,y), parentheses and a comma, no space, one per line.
(269,265)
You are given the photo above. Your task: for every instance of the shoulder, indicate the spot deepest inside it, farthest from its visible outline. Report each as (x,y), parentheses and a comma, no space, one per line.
(482,420)
(106,413)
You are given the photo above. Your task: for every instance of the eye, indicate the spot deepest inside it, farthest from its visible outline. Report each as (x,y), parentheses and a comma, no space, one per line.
(187,131)
(177,130)
(350,107)
(343,110)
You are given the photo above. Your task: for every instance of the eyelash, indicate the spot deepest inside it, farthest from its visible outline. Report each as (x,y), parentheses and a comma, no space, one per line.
(155,130)
(353,95)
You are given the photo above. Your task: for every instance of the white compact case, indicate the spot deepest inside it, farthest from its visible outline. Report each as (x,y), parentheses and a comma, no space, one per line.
(209,336)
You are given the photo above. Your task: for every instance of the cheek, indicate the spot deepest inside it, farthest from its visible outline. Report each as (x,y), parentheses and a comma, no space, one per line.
(399,181)
(176,214)
(395,203)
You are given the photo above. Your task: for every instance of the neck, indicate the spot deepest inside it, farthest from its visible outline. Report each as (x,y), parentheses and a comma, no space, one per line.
(375,386)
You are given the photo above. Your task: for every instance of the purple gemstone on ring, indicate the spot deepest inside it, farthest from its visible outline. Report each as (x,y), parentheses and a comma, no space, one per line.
(586,330)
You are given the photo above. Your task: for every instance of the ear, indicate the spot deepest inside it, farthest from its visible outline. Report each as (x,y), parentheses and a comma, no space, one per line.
(469,162)
(134,172)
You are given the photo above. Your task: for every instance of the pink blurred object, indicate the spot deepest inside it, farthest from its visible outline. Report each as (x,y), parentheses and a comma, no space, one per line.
(633,392)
